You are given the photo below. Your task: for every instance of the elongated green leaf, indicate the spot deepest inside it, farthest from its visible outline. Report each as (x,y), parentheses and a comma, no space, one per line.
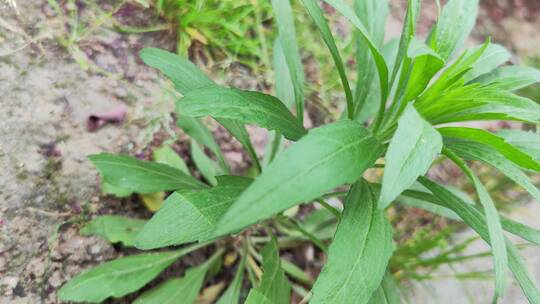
(510,152)
(283,84)
(494,56)
(232,294)
(114,228)
(510,77)
(495,230)
(473,102)
(411,151)
(476,220)
(168,156)
(287,37)
(373,15)
(200,133)
(407,34)
(244,106)
(187,77)
(141,176)
(388,292)
(183,73)
(208,168)
(317,15)
(179,290)
(526,141)
(382,69)
(119,277)
(274,286)
(476,151)
(359,253)
(327,157)
(188,216)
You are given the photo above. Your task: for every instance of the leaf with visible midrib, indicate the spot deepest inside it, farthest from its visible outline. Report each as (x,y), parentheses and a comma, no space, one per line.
(119,277)
(325,158)
(114,228)
(188,216)
(245,106)
(412,149)
(141,176)
(359,253)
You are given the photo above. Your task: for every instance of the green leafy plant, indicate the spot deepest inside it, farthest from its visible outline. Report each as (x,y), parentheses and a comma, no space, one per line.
(414,88)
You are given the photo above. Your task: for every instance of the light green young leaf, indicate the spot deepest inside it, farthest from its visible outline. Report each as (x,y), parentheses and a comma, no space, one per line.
(372,14)
(119,277)
(407,34)
(359,253)
(476,151)
(496,235)
(284,89)
(208,168)
(245,106)
(274,287)
(141,176)
(188,216)
(114,228)
(287,37)
(411,152)
(528,142)
(325,158)
(382,68)
(510,152)
(179,290)
(168,156)
(510,78)
(317,15)
(476,220)
(388,292)
(494,56)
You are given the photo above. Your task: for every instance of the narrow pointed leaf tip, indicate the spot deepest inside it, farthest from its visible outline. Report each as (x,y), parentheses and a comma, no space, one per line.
(325,158)
(410,154)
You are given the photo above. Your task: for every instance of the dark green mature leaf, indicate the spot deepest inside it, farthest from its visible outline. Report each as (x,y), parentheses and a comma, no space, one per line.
(528,142)
(179,290)
(317,15)
(411,151)
(373,14)
(510,77)
(325,158)
(476,220)
(168,156)
(287,37)
(495,230)
(188,216)
(494,56)
(245,106)
(388,292)
(359,253)
(114,228)
(274,287)
(382,68)
(476,151)
(141,176)
(187,77)
(510,152)
(119,277)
